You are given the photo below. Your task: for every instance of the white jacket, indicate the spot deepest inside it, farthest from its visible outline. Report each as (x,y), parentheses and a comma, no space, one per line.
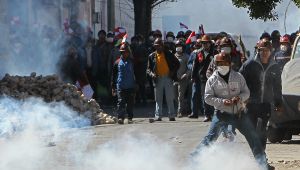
(217,90)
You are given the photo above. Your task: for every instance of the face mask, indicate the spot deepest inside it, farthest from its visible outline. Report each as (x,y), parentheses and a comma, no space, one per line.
(181,39)
(110,40)
(283,48)
(226,50)
(170,39)
(179,49)
(223,70)
(151,38)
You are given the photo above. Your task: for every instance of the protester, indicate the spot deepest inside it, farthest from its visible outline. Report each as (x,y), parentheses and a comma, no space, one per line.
(162,67)
(123,84)
(284,54)
(200,66)
(183,75)
(140,58)
(226,90)
(263,78)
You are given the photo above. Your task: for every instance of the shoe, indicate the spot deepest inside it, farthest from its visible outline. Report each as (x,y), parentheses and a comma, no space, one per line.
(193,116)
(130,121)
(207,119)
(158,119)
(151,120)
(121,121)
(270,167)
(179,115)
(172,119)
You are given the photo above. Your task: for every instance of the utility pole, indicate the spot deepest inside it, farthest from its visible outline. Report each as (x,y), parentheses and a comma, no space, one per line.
(110,14)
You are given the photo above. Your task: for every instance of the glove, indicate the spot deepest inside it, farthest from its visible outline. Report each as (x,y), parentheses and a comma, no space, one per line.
(227,102)
(235,99)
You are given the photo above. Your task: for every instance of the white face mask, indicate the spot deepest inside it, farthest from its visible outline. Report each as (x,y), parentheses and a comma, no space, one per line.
(226,50)
(110,40)
(223,70)
(170,39)
(179,49)
(151,38)
(283,48)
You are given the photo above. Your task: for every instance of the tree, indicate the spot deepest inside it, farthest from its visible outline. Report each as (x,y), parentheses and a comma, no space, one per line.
(143,14)
(261,9)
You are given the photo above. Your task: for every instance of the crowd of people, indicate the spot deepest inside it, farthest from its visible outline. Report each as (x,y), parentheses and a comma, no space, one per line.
(147,68)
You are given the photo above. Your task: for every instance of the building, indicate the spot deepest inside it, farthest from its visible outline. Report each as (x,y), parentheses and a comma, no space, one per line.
(96,14)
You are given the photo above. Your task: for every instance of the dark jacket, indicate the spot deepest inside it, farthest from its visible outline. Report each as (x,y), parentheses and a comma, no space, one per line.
(264,84)
(123,75)
(282,57)
(201,63)
(172,62)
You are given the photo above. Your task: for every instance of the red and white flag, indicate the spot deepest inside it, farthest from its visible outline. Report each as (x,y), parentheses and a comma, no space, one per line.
(201,30)
(119,32)
(183,26)
(124,40)
(192,38)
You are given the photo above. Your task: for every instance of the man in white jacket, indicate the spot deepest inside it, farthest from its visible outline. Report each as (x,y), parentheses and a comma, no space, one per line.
(227,91)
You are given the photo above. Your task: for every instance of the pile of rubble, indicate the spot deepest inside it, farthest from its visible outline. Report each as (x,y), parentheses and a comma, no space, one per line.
(52,89)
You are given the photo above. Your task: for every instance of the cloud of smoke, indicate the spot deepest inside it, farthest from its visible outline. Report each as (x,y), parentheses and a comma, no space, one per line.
(35,38)
(28,129)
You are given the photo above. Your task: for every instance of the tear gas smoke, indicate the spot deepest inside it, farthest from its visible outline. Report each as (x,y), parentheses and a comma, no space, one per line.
(28,127)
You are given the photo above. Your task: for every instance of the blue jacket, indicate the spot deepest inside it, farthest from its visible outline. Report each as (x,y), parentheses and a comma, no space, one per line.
(123,74)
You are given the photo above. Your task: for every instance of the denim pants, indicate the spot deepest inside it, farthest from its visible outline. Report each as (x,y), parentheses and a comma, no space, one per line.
(181,90)
(164,84)
(125,103)
(243,124)
(207,110)
(260,111)
(196,98)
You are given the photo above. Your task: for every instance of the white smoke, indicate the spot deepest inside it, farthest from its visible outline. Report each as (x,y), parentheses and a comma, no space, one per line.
(35,135)
(33,37)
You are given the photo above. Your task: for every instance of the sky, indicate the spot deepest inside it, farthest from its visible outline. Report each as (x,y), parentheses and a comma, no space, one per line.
(221,15)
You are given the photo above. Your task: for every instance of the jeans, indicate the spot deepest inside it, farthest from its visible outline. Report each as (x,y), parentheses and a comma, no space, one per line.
(207,110)
(243,124)
(125,103)
(164,84)
(196,98)
(262,112)
(181,89)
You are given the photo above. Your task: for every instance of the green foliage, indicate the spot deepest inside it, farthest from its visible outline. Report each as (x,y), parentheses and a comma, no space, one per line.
(259,9)
(297,2)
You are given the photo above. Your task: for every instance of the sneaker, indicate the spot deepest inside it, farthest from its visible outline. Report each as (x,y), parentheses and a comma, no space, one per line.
(207,119)
(179,115)
(172,119)
(158,119)
(151,120)
(120,121)
(270,167)
(193,116)
(130,121)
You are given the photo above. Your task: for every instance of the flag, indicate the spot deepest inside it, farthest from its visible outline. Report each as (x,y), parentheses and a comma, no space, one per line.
(200,57)
(119,32)
(124,40)
(201,30)
(192,38)
(183,26)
